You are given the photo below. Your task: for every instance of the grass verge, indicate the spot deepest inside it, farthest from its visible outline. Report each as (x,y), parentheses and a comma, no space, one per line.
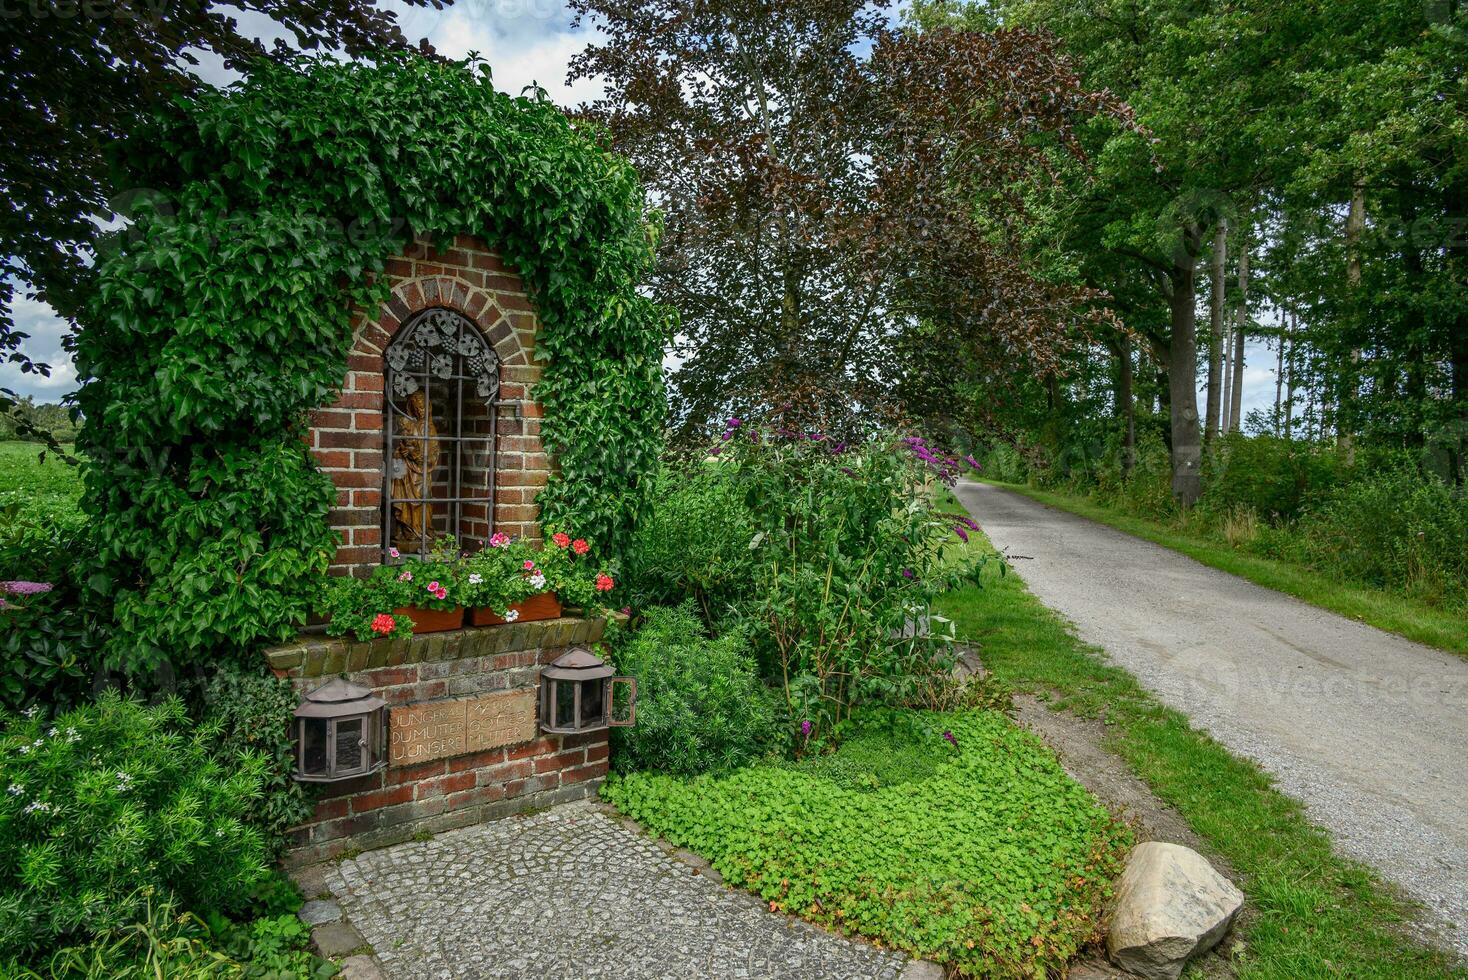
(1312,913)
(954,837)
(1406,617)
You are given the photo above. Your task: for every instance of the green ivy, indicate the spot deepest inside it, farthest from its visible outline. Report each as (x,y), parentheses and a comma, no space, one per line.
(979,853)
(222,318)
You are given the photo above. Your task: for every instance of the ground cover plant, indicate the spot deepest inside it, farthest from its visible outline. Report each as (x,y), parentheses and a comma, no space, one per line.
(1310,914)
(954,836)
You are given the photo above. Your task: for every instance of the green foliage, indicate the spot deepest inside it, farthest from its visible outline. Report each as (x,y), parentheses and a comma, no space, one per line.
(842,550)
(1276,478)
(700,704)
(224,317)
(693,541)
(248,713)
(51,644)
(108,800)
(165,942)
(1396,530)
(983,856)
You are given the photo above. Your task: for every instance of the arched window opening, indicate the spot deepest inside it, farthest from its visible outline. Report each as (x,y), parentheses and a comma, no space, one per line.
(441,381)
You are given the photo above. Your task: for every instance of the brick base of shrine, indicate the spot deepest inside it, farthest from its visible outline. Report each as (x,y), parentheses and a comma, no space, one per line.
(464,743)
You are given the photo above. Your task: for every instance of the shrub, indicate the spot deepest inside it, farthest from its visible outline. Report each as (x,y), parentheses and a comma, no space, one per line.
(51,644)
(979,853)
(107,801)
(1395,529)
(700,705)
(1271,476)
(248,713)
(694,541)
(849,549)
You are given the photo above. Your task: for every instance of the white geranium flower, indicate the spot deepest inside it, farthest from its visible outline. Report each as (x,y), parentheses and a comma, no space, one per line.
(512,615)
(475,578)
(537,580)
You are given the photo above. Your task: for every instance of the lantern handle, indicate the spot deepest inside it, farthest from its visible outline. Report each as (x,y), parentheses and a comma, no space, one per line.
(631,703)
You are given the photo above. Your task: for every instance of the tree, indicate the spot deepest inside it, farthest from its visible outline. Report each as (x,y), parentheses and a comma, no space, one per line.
(78,78)
(838,195)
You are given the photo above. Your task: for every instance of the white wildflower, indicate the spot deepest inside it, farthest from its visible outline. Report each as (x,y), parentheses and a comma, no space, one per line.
(32,711)
(51,732)
(15,789)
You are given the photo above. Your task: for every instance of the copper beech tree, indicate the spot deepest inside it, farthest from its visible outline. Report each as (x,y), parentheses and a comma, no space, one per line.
(840,197)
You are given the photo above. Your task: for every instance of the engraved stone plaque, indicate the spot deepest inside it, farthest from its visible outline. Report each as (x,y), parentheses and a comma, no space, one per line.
(437,729)
(422,732)
(504,718)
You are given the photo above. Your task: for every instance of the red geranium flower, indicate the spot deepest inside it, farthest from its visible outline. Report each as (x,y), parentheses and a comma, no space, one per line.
(580,546)
(604,583)
(561,539)
(383,624)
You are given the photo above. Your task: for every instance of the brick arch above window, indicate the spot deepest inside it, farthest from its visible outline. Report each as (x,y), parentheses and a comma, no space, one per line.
(347,438)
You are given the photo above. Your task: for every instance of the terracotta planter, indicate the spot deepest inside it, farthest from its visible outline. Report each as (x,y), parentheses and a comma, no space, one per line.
(432,620)
(543,606)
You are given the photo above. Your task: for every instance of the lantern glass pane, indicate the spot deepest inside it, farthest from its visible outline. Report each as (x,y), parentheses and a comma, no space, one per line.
(348,744)
(593,704)
(565,704)
(313,742)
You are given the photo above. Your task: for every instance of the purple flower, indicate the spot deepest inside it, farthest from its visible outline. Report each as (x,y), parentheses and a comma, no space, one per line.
(950,739)
(716,450)
(838,449)
(907,573)
(972,524)
(733,423)
(848,471)
(25,588)
(728,434)
(972,462)
(805,727)
(962,534)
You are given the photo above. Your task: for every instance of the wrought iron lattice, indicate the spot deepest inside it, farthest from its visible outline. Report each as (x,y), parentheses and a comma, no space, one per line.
(441,381)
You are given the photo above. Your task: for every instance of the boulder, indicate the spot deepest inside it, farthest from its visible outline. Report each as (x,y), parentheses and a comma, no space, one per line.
(1170,906)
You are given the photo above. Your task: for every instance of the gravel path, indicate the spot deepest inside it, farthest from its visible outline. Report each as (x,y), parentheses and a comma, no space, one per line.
(1367,729)
(571,894)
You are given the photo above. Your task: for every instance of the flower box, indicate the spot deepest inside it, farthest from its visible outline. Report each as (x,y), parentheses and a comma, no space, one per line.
(432,620)
(543,606)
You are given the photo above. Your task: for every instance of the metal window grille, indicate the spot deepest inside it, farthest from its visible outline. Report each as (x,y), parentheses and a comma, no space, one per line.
(441,381)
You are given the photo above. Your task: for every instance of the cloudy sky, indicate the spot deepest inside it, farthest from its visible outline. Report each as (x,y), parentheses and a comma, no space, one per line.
(525,42)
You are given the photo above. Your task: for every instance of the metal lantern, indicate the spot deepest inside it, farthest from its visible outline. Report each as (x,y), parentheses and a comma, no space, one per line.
(576,694)
(341,729)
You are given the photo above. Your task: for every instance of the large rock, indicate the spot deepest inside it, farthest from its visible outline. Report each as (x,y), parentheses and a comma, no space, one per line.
(1170,906)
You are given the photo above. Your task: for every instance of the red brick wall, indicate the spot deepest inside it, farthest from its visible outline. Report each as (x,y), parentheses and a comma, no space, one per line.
(401,801)
(347,438)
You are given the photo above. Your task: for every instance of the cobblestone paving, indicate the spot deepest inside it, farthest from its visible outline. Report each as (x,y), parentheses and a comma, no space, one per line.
(571,894)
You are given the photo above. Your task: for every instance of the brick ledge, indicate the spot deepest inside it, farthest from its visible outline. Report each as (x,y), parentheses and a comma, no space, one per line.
(310,656)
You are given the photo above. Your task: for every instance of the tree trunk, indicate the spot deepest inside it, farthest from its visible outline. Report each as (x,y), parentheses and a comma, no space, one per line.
(1182,373)
(1355,225)
(1215,325)
(1241,324)
(1228,376)
(1290,381)
(1126,405)
(1284,336)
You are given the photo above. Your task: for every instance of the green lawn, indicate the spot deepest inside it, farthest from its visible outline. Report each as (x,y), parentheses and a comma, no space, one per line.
(983,855)
(25,476)
(1310,913)
(1413,619)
